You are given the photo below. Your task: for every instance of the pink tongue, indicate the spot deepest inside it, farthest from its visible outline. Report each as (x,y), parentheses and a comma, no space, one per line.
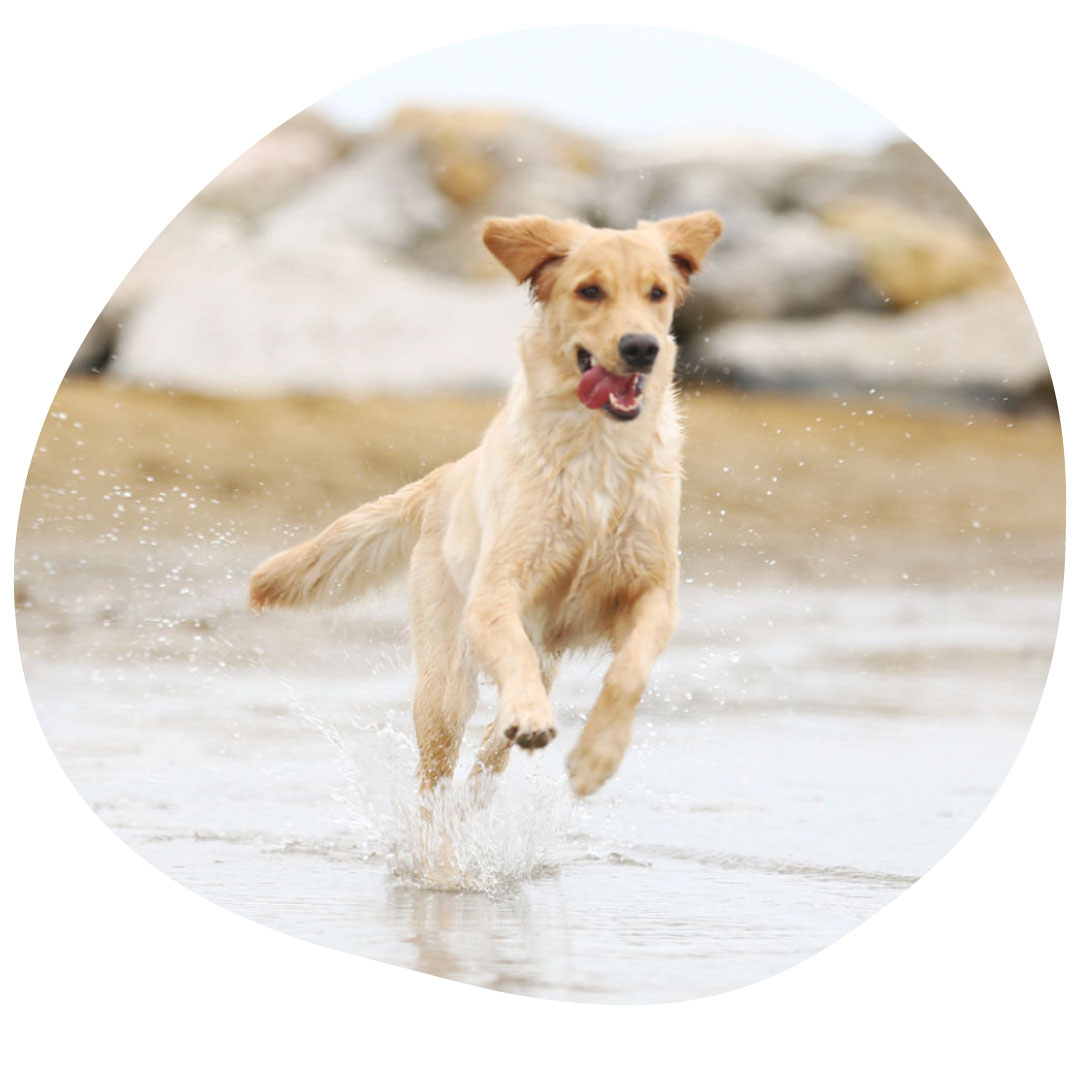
(598,384)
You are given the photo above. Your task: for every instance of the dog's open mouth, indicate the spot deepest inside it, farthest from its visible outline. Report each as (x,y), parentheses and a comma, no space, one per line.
(620,395)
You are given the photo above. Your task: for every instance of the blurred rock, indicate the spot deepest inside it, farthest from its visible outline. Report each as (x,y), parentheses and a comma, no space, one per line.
(323,262)
(322,318)
(471,152)
(96,351)
(778,266)
(650,187)
(276,167)
(912,257)
(420,187)
(191,240)
(981,344)
(269,173)
(489,162)
(899,173)
(380,196)
(767,264)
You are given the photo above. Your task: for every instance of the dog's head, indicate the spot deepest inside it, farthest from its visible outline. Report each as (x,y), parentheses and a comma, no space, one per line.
(607,298)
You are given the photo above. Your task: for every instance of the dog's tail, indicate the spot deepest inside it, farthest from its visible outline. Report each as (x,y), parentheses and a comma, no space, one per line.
(359,551)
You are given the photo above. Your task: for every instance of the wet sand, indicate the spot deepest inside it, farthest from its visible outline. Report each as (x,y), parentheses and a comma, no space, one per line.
(839,489)
(869,607)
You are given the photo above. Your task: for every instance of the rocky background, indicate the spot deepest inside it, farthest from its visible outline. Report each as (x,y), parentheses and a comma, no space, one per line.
(327,262)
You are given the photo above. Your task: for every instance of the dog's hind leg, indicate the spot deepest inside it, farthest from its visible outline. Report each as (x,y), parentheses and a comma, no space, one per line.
(446,676)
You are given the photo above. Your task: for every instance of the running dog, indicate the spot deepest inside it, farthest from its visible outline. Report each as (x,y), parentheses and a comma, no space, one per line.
(560,530)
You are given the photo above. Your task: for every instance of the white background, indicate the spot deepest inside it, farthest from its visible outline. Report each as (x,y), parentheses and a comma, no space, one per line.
(115,115)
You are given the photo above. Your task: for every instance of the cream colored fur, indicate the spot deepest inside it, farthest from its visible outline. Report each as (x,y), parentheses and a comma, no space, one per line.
(559,532)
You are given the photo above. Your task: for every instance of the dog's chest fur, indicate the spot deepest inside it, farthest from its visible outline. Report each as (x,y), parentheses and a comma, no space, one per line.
(612,536)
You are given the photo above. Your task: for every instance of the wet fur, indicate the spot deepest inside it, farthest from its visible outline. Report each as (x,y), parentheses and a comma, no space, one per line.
(559,532)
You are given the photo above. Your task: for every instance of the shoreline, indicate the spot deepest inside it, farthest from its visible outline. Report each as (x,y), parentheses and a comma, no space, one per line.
(776,488)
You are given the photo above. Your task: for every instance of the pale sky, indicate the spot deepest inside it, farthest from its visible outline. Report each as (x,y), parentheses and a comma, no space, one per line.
(624,83)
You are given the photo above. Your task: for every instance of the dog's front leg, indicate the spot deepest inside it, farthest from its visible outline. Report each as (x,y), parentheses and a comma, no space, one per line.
(639,636)
(502,649)
(494,753)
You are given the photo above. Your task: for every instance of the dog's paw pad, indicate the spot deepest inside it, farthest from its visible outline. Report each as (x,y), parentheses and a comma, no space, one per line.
(534,740)
(531,727)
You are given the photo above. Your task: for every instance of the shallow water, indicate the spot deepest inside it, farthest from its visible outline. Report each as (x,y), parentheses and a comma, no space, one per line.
(803,755)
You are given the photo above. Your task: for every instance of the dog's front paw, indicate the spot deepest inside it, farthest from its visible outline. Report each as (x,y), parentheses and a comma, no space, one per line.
(529,724)
(596,757)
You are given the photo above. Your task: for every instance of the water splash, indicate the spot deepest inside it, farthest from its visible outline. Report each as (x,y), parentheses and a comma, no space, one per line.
(481,835)
(477,835)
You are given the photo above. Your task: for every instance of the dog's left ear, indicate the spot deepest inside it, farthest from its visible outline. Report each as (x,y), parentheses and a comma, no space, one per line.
(688,240)
(530,246)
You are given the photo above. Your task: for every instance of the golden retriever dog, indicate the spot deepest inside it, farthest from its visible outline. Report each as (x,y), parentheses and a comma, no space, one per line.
(560,530)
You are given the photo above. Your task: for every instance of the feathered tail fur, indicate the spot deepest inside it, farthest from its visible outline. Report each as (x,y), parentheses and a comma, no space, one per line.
(357,552)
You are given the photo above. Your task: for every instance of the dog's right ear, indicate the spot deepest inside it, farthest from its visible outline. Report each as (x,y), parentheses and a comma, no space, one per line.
(531,248)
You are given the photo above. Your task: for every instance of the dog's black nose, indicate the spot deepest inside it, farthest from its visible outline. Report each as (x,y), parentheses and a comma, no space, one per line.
(639,350)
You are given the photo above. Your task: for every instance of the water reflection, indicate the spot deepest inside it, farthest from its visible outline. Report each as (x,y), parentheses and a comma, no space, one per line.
(491,941)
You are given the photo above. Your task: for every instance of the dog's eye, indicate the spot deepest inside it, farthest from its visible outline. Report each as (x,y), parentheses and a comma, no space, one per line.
(657,293)
(590,292)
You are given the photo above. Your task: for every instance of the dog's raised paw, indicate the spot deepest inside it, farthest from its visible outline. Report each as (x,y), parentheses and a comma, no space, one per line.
(532,728)
(593,761)
(530,740)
